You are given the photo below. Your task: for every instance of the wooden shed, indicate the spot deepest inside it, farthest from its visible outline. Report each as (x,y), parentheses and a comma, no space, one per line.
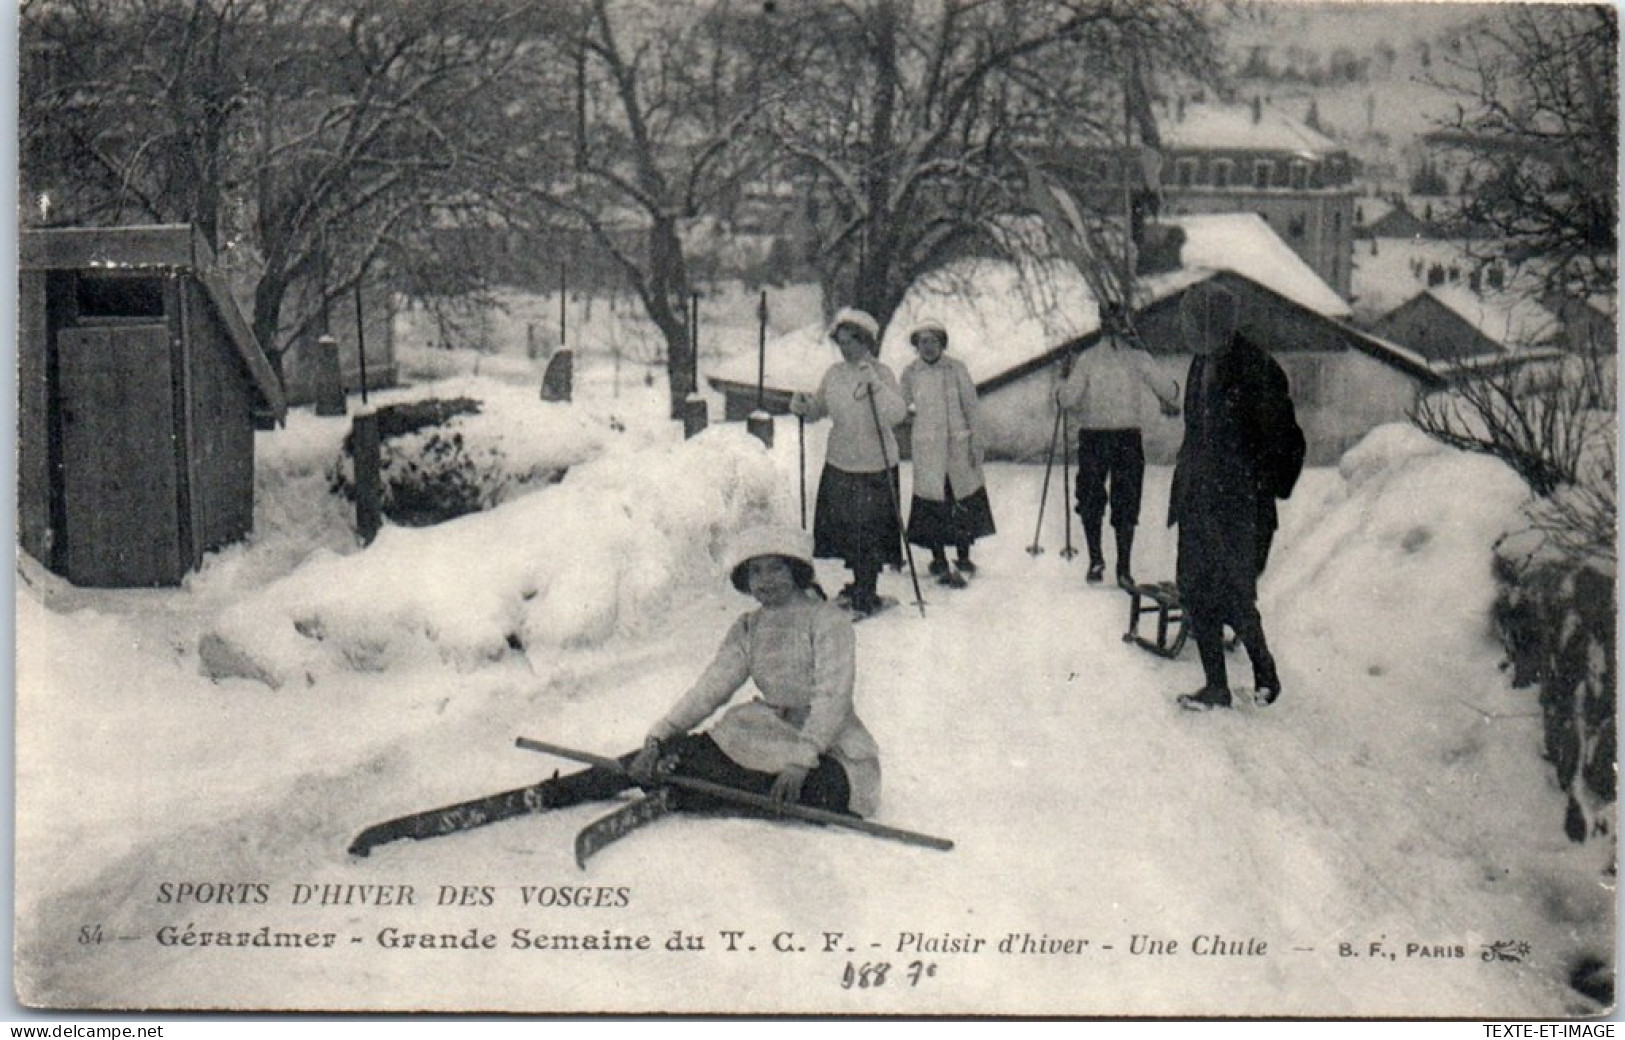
(139,390)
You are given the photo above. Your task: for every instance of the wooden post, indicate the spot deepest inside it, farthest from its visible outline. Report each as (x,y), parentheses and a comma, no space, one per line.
(694,346)
(761,349)
(759,424)
(360,342)
(694,415)
(329,381)
(558,382)
(369,492)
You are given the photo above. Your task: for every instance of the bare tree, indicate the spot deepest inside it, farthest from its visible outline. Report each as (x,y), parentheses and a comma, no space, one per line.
(1544,413)
(907,116)
(664,101)
(310,141)
(1537,127)
(1537,123)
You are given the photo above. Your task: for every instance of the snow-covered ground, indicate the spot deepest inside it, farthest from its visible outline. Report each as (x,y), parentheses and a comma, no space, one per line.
(1393,802)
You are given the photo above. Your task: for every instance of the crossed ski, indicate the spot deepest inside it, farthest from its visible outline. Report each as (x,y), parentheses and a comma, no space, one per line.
(607,829)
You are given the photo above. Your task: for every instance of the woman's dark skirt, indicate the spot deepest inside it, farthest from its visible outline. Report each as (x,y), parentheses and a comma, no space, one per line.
(934,524)
(856,517)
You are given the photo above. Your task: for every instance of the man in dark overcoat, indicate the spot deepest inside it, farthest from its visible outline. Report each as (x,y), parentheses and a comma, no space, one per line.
(1243,449)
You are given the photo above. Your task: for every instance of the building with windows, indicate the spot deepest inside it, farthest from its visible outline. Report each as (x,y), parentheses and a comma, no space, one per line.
(1218,158)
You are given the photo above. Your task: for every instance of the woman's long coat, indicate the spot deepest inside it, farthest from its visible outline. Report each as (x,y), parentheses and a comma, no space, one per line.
(943,398)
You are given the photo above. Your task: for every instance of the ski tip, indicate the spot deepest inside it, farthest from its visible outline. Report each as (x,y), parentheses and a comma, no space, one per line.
(363,844)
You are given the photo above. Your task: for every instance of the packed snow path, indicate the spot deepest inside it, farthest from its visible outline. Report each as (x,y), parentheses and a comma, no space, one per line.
(1091,816)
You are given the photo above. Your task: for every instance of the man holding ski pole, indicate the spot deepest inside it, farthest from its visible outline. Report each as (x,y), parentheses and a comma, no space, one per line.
(1105,395)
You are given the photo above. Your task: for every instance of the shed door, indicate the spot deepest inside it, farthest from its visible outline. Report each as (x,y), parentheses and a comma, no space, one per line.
(119,464)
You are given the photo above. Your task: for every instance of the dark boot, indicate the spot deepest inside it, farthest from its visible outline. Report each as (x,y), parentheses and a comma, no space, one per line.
(1097,555)
(1266,682)
(1205,699)
(589,785)
(1215,691)
(963,563)
(1125,555)
(865,598)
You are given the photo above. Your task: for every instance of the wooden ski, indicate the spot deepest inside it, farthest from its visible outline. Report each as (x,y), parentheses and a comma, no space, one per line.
(755,801)
(623,821)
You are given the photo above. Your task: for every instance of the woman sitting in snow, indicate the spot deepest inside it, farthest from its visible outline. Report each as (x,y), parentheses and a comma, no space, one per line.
(855,518)
(800,740)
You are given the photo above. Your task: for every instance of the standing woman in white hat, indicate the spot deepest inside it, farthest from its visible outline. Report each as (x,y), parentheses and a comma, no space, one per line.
(950,505)
(800,740)
(856,515)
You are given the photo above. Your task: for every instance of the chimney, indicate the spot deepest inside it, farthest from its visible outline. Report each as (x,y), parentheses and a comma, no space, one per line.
(1159,246)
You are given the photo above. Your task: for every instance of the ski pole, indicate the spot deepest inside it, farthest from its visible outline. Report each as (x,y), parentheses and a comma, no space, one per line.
(896,506)
(801,445)
(756,801)
(1066,482)
(1043,496)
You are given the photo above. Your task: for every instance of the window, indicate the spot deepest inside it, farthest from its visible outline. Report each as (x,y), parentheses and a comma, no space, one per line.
(1296,225)
(1185,172)
(103,297)
(1221,172)
(1261,173)
(1300,175)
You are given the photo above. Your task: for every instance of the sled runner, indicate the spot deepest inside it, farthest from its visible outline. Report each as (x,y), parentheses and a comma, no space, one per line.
(1161,599)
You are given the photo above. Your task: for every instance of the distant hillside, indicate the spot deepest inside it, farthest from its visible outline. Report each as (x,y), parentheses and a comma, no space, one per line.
(1359,69)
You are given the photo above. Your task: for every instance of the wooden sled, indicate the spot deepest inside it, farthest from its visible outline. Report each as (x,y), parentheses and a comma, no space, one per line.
(1161,599)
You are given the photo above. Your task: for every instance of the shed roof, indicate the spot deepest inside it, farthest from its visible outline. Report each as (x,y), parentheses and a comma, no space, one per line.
(1508,319)
(156,247)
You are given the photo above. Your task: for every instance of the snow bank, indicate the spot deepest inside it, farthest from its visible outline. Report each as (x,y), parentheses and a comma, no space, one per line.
(569,565)
(1407,534)
(477,459)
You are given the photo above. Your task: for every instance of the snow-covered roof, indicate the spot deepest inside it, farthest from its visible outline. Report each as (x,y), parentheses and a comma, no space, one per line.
(1246,244)
(1403,356)
(1231,128)
(1506,318)
(1397,271)
(1373,209)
